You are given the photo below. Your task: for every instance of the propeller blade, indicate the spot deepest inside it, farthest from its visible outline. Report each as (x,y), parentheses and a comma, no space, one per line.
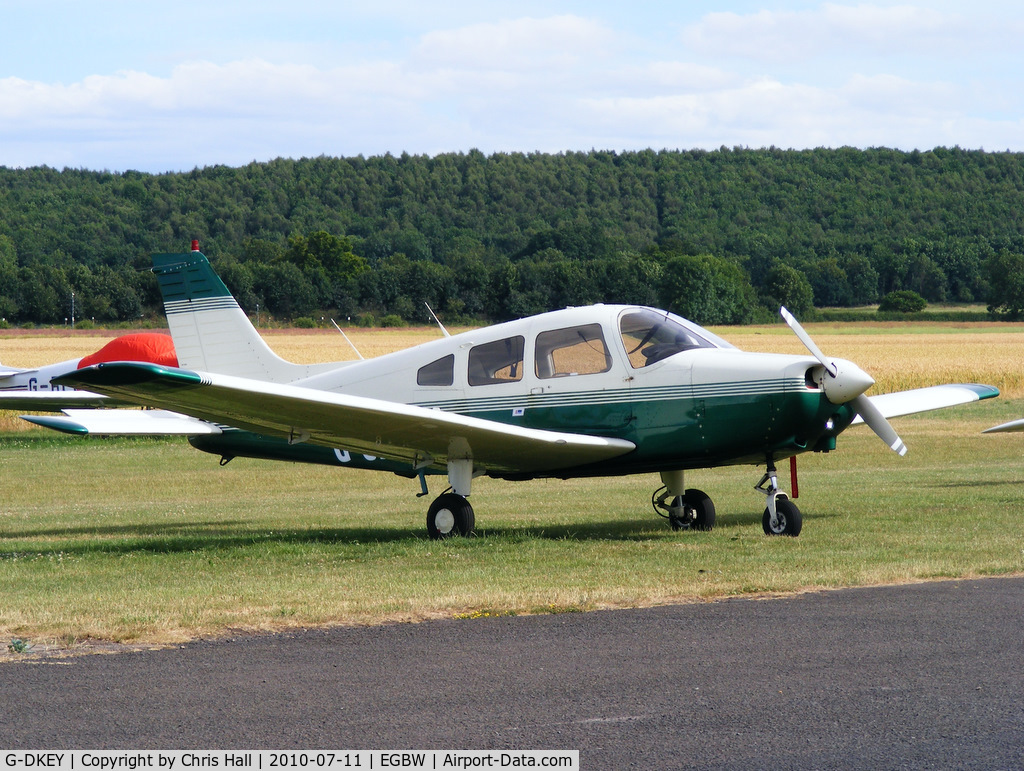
(805,338)
(874,418)
(843,379)
(854,381)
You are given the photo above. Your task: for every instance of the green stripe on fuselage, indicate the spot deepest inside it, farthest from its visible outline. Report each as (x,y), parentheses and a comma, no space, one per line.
(716,427)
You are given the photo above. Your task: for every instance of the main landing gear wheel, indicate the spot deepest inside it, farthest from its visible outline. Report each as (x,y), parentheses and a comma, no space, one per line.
(450,515)
(693,510)
(788,520)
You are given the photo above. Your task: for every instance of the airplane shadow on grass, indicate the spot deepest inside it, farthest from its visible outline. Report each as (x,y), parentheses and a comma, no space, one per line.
(978,483)
(211,536)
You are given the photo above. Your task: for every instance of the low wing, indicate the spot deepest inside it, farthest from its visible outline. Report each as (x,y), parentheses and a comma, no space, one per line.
(423,437)
(52,401)
(1006,428)
(925,399)
(124,423)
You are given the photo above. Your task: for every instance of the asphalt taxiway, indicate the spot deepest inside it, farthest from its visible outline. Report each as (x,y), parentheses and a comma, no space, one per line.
(917,676)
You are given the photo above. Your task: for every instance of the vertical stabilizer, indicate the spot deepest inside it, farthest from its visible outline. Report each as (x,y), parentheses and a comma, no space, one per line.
(211,332)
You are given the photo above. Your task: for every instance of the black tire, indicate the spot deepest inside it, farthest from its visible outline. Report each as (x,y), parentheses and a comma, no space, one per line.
(790,519)
(703,507)
(700,511)
(450,515)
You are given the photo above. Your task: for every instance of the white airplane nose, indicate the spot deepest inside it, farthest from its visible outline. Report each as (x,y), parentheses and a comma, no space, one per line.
(849,382)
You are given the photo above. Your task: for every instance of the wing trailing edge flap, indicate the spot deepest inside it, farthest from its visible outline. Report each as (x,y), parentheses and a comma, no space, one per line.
(931,398)
(373,426)
(124,423)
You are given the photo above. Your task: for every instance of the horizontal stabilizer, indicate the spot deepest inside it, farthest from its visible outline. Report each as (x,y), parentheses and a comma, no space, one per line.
(124,423)
(931,398)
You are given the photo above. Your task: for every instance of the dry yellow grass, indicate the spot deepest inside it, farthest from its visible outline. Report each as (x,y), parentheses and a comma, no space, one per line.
(33,348)
(327,345)
(898,356)
(910,355)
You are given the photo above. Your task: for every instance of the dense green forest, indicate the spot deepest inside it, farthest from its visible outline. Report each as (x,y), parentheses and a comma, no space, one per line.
(720,236)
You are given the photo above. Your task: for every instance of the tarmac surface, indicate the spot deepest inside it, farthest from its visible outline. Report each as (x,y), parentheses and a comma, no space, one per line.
(919,676)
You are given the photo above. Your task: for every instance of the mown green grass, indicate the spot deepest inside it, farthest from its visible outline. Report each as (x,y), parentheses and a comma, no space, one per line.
(152,541)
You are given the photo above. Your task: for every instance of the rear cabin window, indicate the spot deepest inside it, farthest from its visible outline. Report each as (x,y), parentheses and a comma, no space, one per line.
(650,337)
(497,362)
(437,373)
(572,351)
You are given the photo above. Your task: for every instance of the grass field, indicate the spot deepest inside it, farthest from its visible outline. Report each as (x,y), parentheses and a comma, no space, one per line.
(149,541)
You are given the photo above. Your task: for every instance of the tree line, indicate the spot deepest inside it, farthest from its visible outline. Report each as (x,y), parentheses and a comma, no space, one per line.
(719,236)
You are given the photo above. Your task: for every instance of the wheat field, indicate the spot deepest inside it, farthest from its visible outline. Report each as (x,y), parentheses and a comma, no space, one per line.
(909,355)
(899,356)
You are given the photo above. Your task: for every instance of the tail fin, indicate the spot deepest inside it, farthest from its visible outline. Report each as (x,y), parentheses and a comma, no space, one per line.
(210,331)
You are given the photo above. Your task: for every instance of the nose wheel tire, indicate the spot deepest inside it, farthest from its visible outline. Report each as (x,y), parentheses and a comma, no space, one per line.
(450,515)
(788,520)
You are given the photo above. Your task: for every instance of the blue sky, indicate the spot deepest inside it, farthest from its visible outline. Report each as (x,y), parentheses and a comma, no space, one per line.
(130,85)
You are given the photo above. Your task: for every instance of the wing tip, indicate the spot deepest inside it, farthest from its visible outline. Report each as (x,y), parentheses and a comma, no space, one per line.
(62,424)
(983,391)
(1006,428)
(127,373)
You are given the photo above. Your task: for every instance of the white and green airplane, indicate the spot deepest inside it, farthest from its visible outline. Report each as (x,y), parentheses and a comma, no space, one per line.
(603,390)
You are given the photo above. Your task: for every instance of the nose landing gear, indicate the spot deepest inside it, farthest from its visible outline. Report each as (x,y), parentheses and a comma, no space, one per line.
(781,517)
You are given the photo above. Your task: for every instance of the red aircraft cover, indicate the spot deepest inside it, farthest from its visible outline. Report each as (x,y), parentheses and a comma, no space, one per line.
(150,347)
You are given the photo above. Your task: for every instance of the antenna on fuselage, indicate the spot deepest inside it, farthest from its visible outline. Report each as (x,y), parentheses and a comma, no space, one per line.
(436,319)
(346,338)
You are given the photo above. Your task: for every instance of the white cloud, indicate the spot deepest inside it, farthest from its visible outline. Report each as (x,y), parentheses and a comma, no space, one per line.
(863,112)
(517,44)
(828,30)
(832,75)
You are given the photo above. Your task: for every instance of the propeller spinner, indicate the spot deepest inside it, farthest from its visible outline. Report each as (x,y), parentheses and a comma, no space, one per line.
(844,382)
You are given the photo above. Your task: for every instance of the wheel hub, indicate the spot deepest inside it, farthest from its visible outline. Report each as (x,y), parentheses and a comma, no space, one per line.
(444,520)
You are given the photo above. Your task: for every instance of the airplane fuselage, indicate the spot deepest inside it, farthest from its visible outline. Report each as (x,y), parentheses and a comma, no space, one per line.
(591,371)
(38,378)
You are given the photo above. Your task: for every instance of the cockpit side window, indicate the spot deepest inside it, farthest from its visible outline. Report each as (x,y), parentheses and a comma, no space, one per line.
(497,362)
(437,373)
(649,337)
(572,351)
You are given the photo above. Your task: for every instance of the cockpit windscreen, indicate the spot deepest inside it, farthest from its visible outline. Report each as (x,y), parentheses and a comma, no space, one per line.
(650,336)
